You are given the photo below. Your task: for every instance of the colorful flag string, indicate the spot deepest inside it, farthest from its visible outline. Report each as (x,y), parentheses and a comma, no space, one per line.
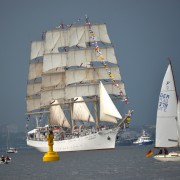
(100,55)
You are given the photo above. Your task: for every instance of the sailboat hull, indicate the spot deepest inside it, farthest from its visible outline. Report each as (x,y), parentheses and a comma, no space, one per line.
(172,156)
(104,139)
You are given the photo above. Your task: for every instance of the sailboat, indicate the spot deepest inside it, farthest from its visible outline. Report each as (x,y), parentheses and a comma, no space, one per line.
(168,119)
(74,79)
(10,149)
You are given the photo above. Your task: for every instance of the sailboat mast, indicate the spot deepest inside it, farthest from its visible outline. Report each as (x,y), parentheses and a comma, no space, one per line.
(71,115)
(96,112)
(177,123)
(7,138)
(173,78)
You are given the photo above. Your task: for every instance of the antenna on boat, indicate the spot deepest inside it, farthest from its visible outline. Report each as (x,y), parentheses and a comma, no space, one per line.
(87,19)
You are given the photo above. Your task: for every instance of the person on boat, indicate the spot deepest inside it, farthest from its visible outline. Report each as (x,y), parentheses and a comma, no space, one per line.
(160,151)
(8,158)
(166,151)
(2,158)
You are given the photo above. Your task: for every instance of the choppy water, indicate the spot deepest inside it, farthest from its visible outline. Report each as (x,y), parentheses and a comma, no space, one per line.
(123,163)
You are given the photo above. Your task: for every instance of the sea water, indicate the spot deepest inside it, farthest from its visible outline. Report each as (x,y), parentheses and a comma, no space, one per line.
(122,163)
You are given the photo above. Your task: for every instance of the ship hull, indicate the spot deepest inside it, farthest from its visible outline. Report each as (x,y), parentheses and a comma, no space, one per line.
(143,143)
(172,156)
(104,139)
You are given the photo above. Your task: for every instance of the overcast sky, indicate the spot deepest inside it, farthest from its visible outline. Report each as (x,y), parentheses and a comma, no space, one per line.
(144,33)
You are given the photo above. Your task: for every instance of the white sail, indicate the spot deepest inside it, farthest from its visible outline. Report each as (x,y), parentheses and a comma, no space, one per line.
(79,35)
(32,104)
(79,90)
(108,111)
(54,39)
(57,116)
(49,95)
(53,80)
(100,32)
(76,90)
(76,35)
(37,49)
(33,88)
(178,122)
(89,74)
(82,57)
(81,111)
(54,61)
(76,57)
(35,70)
(166,127)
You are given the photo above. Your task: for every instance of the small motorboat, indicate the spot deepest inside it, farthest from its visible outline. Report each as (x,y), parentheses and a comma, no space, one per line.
(5,160)
(144,139)
(12,150)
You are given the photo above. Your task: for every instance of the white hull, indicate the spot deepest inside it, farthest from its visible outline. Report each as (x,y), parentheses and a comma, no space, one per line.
(12,150)
(172,156)
(104,139)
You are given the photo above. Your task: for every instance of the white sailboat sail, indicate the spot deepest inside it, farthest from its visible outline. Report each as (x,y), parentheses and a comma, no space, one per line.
(108,111)
(178,122)
(57,116)
(81,111)
(166,127)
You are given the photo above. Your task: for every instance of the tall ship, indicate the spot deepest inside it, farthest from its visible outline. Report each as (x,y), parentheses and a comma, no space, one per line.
(73,88)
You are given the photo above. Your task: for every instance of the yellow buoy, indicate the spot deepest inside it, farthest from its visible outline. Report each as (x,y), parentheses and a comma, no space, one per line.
(50,155)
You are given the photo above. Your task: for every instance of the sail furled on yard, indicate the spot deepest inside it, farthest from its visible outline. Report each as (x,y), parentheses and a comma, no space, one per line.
(108,111)
(167,112)
(81,111)
(57,116)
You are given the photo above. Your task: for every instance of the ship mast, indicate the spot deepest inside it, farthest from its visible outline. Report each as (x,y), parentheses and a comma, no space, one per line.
(71,117)
(96,112)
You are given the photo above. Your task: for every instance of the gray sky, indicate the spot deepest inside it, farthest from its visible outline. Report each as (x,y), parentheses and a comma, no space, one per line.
(144,33)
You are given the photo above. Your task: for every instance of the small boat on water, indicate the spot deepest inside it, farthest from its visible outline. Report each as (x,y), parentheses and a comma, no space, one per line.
(12,150)
(5,160)
(144,139)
